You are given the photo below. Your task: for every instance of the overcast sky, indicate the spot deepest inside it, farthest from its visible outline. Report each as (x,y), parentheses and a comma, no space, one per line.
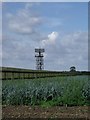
(60,28)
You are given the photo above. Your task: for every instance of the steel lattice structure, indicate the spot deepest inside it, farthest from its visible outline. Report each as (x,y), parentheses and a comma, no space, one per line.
(39,59)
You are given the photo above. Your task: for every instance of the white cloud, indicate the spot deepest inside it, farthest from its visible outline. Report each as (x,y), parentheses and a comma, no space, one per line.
(58,56)
(75,41)
(24,21)
(61,51)
(28,5)
(52,37)
(69,50)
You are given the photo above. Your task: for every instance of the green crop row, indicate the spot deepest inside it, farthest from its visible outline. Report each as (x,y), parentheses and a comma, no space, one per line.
(70,90)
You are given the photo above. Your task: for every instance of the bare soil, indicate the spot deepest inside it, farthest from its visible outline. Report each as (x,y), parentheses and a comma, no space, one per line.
(39,112)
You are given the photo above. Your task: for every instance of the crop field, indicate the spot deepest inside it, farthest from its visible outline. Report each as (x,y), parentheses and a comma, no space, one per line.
(46,92)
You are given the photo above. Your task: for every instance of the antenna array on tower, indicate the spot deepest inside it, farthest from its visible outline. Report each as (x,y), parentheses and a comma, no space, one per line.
(39,59)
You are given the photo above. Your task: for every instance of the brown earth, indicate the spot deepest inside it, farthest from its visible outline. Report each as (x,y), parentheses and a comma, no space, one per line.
(39,112)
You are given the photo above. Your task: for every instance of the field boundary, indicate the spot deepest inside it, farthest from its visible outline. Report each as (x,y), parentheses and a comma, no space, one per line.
(8,73)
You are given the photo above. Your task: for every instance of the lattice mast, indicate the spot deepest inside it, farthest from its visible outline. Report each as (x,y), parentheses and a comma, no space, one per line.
(39,59)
